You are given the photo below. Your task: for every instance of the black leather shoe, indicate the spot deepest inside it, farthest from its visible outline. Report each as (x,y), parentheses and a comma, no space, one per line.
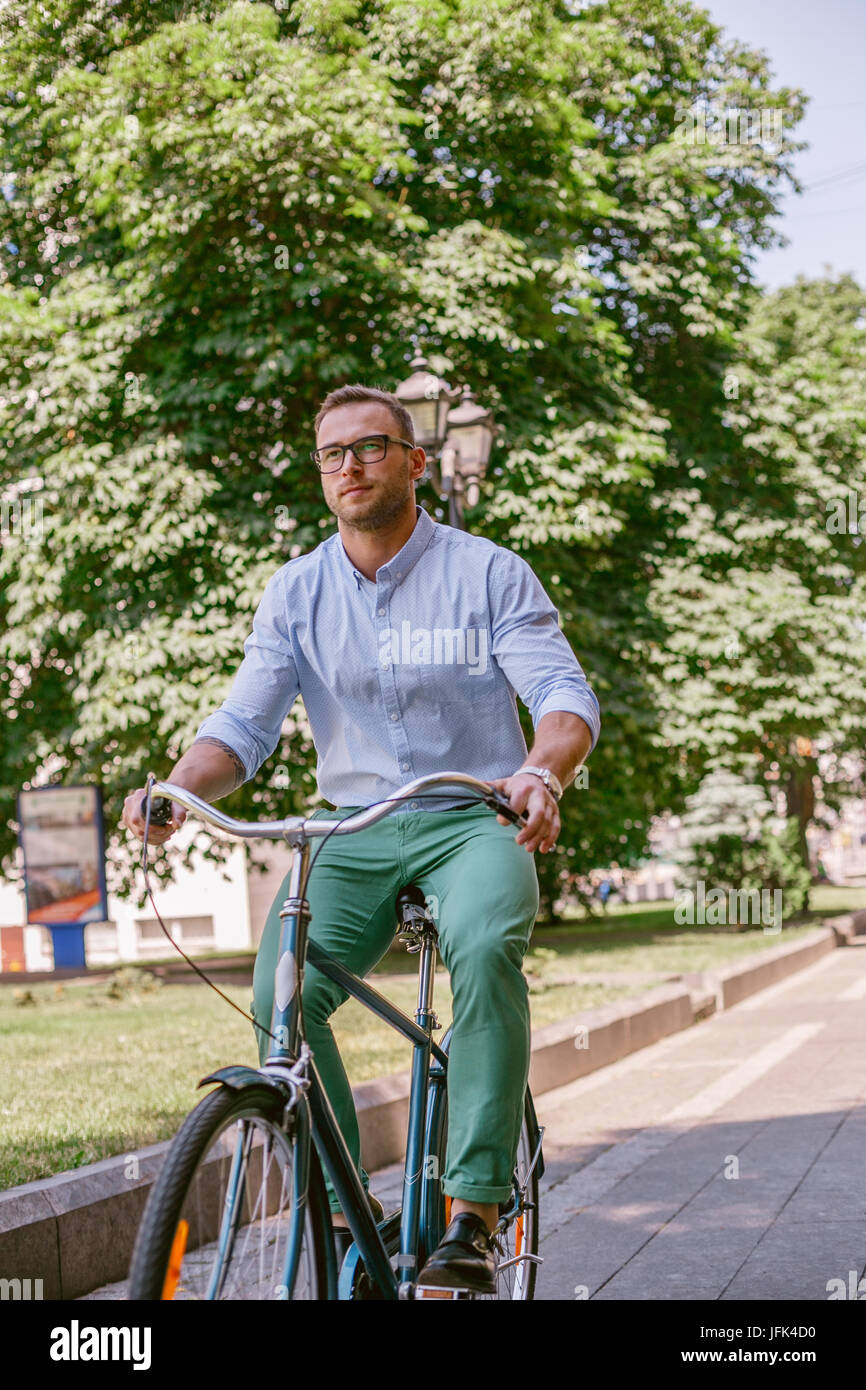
(463,1259)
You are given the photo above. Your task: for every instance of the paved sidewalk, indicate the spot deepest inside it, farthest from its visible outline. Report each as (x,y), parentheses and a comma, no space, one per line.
(725,1162)
(635,1201)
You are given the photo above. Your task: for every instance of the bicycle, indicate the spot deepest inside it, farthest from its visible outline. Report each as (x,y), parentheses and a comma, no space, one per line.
(239,1209)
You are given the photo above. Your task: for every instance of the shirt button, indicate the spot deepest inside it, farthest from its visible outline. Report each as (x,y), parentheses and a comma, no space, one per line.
(395,717)
(398,575)
(381,612)
(385,663)
(413,805)
(405,767)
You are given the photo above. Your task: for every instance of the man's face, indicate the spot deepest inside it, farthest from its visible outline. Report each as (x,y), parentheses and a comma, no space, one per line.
(368,496)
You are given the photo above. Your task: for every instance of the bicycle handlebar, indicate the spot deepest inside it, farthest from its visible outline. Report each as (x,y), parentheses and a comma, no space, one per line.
(277,830)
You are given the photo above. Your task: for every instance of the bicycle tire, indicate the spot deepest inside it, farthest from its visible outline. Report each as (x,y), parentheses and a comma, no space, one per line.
(519,1284)
(174,1193)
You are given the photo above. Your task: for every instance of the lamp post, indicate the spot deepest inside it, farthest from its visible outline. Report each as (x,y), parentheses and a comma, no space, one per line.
(459,437)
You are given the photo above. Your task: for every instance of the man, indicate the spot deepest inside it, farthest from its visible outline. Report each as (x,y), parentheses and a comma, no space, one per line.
(407,641)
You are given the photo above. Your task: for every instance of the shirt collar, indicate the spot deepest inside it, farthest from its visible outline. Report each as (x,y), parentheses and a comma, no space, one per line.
(400,564)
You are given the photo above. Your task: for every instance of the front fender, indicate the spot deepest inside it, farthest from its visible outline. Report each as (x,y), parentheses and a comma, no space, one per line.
(239,1078)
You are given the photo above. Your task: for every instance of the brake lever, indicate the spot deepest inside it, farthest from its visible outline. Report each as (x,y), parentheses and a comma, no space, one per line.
(498,802)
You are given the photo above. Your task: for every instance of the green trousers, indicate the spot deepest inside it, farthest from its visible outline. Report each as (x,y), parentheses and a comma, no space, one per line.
(484,892)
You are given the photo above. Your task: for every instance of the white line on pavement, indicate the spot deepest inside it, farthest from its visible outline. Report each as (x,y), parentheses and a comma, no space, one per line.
(563,1201)
(708,1100)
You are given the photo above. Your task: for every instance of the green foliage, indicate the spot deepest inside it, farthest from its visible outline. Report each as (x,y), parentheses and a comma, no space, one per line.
(732,840)
(216,212)
(762,670)
(725,805)
(770,861)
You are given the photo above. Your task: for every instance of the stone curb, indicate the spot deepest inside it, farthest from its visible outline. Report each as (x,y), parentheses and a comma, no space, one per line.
(768,967)
(75,1231)
(854,924)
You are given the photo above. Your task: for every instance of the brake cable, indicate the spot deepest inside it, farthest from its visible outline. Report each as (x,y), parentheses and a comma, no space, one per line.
(493,802)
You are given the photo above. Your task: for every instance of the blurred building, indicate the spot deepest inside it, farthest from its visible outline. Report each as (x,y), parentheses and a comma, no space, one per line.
(840,848)
(208,908)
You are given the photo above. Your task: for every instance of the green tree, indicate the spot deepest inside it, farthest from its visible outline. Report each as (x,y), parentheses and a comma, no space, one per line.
(731,839)
(215,213)
(763,669)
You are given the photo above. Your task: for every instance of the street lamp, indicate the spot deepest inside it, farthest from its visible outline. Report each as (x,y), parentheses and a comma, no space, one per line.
(470,434)
(461,438)
(427,397)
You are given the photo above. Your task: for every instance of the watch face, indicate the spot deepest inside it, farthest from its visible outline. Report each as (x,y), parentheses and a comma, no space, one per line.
(553,783)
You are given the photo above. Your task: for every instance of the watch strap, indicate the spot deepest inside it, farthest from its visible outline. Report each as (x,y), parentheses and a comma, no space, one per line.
(550,780)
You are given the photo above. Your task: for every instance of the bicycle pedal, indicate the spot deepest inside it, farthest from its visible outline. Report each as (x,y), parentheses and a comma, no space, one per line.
(436,1291)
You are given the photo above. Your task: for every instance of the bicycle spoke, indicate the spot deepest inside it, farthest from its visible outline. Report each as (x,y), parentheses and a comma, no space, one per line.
(240,1206)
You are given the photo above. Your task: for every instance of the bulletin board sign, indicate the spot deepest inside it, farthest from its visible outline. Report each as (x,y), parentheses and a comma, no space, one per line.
(62,841)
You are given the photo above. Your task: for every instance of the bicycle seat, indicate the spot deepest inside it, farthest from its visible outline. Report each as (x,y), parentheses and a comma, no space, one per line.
(409,895)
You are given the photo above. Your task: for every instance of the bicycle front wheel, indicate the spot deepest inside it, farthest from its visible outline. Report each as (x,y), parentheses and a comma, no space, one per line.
(224,1220)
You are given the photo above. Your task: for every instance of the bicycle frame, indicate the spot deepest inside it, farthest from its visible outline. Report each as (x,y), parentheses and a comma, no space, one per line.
(290,1059)
(291,1063)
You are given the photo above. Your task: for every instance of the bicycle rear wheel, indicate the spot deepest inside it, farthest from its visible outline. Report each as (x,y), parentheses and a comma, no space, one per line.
(223,1221)
(515,1278)
(518,1238)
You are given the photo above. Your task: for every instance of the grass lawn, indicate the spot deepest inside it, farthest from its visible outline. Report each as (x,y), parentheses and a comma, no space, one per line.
(85,1075)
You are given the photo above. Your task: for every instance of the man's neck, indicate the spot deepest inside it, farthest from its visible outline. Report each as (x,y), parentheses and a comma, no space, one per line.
(370,550)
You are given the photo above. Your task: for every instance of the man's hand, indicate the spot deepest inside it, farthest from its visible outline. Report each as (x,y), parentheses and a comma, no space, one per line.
(209,768)
(133,819)
(527,793)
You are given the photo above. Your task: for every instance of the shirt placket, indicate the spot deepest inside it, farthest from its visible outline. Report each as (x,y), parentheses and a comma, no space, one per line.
(386,583)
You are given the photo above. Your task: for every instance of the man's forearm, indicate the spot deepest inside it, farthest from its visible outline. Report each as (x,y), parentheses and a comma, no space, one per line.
(209,768)
(562,742)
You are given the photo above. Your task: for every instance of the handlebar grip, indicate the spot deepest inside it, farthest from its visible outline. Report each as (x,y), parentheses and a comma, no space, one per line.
(160,810)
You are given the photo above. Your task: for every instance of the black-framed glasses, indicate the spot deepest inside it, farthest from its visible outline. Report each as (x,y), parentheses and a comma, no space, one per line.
(371,449)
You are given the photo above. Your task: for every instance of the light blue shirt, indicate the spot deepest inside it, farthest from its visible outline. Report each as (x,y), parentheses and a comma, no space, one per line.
(413,673)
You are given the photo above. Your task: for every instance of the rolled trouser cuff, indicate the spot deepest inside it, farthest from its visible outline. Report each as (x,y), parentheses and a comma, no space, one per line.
(478,1194)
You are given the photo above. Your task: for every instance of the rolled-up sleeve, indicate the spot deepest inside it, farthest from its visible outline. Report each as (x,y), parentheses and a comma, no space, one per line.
(265,687)
(531,648)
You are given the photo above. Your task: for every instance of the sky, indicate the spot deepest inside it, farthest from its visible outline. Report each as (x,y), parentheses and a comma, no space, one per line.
(820,47)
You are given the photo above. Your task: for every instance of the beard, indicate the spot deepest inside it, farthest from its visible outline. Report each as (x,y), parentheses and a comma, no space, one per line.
(375,512)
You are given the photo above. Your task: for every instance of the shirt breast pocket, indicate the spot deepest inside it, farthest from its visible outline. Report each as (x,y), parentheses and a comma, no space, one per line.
(460,679)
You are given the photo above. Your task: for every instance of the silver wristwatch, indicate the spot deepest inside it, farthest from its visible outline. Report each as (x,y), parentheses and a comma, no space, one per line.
(550,780)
